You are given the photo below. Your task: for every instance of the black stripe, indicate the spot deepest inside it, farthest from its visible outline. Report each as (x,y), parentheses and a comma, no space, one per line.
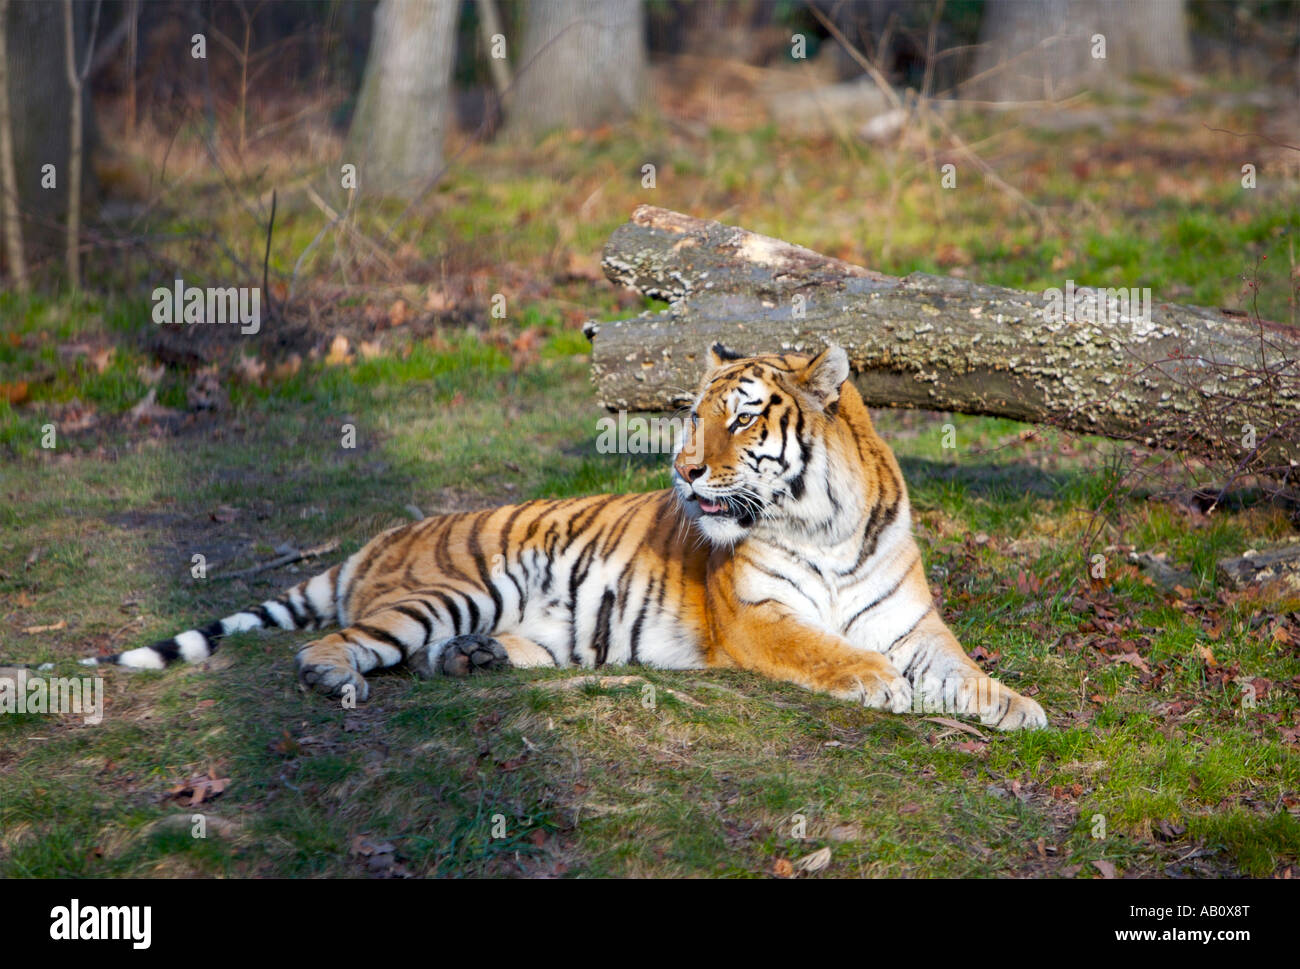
(484,572)
(472,606)
(550,539)
(884,595)
(602,626)
(412,613)
(881,517)
(168,649)
(383,635)
(381,544)
(797,486)
(506,528)
(575,530)
(640,618)
(299,617)
(370,650)
(777,575)
(310,606)
(910,628)
(581,567)
(442,552)
(453,610)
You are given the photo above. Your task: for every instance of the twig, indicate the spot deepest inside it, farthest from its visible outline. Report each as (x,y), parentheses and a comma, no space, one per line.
(863,61)
(1251,134)
(351,229)
(266,259)
(1034,209)
(288,558)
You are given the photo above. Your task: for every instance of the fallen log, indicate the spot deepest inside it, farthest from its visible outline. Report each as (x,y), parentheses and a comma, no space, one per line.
(1258,566)
(1206,381)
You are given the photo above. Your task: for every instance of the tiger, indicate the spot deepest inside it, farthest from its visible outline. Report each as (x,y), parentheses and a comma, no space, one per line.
(784,546)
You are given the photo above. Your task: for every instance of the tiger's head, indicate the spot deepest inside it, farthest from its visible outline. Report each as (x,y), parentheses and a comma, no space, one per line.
(765,449)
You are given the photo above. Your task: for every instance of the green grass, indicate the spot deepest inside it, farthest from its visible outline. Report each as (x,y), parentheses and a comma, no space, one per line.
(603,784)
(516,774)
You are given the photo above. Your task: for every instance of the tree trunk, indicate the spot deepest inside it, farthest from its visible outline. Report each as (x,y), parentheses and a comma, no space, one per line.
(40,103)
(1044,49)
(489,22)
(9,201)
(583,65)
(405,105)
(1170,376)
(77,72)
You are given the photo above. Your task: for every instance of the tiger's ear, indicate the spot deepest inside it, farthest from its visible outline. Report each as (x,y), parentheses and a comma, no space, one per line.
(720,355)
(824,374)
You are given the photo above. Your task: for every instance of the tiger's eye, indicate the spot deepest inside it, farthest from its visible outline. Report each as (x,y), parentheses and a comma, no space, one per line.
(744,420)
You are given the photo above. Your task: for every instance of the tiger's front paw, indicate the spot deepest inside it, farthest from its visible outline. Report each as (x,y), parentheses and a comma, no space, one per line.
(1019,713)
(878,690)
(462,656)
(328,669)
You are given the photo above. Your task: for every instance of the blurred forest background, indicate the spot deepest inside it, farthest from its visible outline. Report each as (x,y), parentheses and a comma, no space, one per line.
(145,139)
(419,191)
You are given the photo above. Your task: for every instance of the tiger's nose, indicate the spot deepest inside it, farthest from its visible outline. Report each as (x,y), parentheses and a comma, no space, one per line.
(691,471)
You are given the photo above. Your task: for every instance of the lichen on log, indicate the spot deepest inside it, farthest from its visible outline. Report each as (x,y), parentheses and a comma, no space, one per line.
(1186,378)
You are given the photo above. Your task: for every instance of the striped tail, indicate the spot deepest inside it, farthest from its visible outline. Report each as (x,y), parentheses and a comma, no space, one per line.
(312,604)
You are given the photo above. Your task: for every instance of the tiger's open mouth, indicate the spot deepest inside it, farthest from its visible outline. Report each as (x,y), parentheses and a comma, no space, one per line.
(719,507)
(743,512)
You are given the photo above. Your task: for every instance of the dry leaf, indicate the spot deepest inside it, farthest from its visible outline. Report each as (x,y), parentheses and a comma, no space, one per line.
(149,410)
(205,392)
(77,417)
(288,368)
(61,624)
(1105,867)
(1133,659)
(250,369)
(201,787)
(814,862)
(397,314)
(338,352)
(439,301)
(370,350)
(782,868)
(525,348)
(15,392)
